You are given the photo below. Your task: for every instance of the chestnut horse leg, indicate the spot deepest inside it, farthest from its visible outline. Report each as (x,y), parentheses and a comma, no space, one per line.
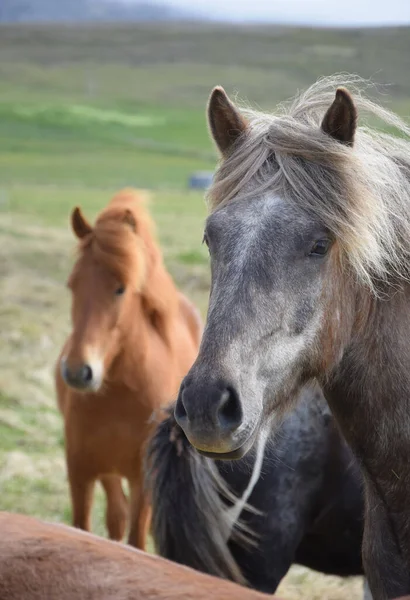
(116,514)
(140,513)
(82,491)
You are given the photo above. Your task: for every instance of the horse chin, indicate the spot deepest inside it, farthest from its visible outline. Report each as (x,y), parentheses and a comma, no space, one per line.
(85,390)
(236,454)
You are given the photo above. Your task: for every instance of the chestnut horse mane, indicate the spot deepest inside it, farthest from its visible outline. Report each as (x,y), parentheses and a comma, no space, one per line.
(360,194)
(123,241)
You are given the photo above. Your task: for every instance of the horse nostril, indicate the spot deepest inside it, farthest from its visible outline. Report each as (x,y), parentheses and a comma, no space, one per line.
(180,410)
(229,412)
(66,373)
(86,373)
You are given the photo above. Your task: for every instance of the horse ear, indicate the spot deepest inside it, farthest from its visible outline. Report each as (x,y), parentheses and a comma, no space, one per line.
(79,223)
(225,121)
(129,220)
(340,120)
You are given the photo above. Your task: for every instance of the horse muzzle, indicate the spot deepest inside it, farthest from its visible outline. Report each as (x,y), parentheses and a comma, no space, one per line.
(84,377)
(212,418)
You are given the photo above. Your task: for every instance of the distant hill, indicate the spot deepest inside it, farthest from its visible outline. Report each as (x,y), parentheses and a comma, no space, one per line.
(155,63)
(32,11)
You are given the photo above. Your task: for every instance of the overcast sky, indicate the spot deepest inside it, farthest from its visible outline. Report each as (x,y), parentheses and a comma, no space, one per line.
(324,12)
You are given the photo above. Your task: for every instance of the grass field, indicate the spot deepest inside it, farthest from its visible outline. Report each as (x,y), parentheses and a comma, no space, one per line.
(86,111)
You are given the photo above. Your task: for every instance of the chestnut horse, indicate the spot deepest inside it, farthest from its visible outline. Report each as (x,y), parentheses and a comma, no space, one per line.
(45,561)
(41,560)
(309,237)
(134,336)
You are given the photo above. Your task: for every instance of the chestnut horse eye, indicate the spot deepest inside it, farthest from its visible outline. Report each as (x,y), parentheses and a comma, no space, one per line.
(120,290)
(320,248)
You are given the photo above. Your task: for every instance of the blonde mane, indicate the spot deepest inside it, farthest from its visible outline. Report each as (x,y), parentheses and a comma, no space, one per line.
(123,241)
(361,194)
(128,252)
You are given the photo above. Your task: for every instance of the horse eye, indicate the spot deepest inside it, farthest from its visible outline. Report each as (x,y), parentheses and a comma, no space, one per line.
(320,248)
(120,290)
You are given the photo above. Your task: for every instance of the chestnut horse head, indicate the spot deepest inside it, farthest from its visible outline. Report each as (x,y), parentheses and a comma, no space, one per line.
(119,268)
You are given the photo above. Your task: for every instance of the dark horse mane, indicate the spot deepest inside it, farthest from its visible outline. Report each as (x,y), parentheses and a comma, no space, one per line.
(172,462)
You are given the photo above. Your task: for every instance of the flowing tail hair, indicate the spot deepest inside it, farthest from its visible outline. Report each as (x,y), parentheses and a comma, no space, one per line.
(190,521)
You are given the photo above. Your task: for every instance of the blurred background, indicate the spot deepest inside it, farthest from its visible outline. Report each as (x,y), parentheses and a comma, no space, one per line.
(96,95)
